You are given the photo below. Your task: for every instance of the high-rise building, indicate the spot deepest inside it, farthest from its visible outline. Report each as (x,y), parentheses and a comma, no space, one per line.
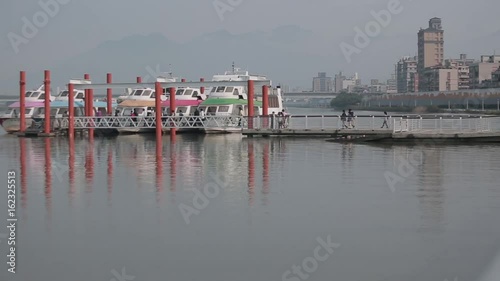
(462,65)
(339,80)
(480,73)
(431,45)
(322,83)
(405,74)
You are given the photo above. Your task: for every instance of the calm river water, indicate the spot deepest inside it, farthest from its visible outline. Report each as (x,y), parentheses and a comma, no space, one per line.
(217,208)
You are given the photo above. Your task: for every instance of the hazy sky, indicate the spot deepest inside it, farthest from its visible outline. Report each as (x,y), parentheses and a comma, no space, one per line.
(79,26)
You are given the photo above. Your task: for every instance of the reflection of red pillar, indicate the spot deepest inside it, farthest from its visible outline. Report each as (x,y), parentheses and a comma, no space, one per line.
(22,105)
(47,101)
(173,163)
(22,144)
(172,107)
(71,165)
(89,166)
(265,164)
(109,95)
(48,178)
(251,173)
(110,173)
(159,167)
(250,98)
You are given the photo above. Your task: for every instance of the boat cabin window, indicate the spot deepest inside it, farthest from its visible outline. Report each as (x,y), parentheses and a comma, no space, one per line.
(137,92)
(179,92)
(28,110)
(42,96)
(224,108)
(40,111)
(146,93)
(236,92)
(213,89)
(211,110)
(221,89)
(28,94)
(229,89)
(183,108)
(79,95)
(195,94)
(64,94)
(153,95)
(54,111)
(188,92)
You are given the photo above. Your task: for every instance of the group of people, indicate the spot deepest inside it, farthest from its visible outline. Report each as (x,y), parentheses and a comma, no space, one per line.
(348,120)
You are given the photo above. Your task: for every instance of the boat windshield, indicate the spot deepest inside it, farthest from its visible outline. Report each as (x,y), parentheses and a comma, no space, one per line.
(221,89)
(42,96)
(137,93)
(179,92)
(188,92)
(28,94)
(146,93)
(64,94)
(79,95)
(229,89)
(213,89)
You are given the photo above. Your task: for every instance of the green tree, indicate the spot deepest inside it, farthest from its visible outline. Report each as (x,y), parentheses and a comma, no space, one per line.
(344,100)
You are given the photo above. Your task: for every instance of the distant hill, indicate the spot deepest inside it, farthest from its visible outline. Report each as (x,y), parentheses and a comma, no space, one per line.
(268,53)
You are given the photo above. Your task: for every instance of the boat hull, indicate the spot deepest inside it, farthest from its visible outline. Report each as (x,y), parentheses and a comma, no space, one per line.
(13,125)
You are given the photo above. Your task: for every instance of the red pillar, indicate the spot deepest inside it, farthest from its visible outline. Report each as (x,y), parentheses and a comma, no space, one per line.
(48,175)
(158,91)
(86,98)
(71,111)
(109,95)
(138,79)
(172,107)
(251,173)
(202,89)
(91,111)
(22,105)
(47,101)
(250,103)
(183,80)
(24,186)
(265,106)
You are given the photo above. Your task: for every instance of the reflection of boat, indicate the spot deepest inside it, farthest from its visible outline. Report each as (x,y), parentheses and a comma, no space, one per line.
(226,101)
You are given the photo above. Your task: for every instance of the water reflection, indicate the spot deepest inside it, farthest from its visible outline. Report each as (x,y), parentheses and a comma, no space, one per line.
(265,172)
(48,179)
(251,173)
(24,190)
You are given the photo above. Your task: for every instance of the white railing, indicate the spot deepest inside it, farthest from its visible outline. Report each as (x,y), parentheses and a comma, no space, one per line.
(297,122)
(112,122)
(444,125)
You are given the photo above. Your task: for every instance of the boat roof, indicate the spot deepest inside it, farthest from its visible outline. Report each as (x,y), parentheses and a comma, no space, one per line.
(27,104)
(228,101)
(58,103)
(151,103)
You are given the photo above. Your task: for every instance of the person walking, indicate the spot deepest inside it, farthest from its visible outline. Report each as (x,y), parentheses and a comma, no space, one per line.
(350,119)
(343,118)
(386,119)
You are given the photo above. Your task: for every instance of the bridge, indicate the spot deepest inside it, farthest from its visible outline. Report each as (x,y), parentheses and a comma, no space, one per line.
(309,95)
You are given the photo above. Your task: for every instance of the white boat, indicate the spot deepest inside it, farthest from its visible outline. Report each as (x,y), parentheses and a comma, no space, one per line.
(133,94)
(78,95)
(226,101)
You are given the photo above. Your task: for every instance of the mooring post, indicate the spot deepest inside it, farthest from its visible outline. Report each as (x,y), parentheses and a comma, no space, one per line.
(265,106)
(158,92)
(71,110)
(202,89)
(250,103)
(172,108)
(22,104)
(109,95)
(47,101)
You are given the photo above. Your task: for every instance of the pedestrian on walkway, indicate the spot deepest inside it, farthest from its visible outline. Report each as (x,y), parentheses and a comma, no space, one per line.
(386,119)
